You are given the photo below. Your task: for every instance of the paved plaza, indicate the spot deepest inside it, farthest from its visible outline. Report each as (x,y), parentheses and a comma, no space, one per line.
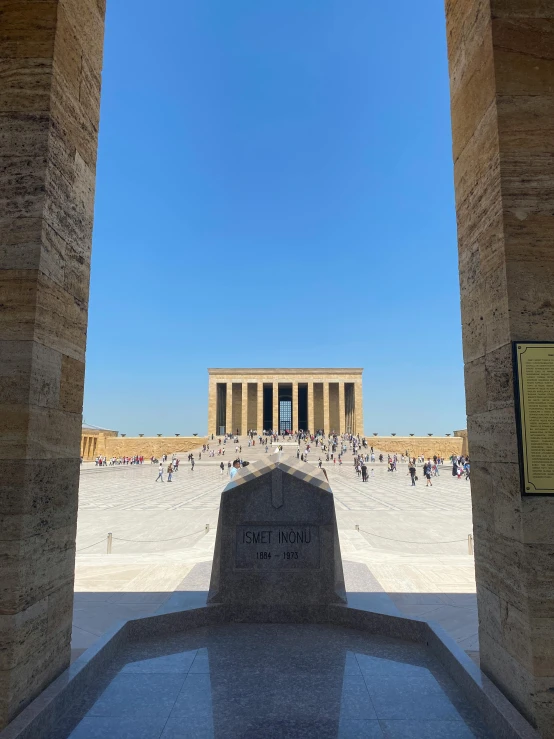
(405,549)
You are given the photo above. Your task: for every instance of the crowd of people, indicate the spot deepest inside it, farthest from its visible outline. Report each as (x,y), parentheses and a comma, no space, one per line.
(103,462)
(331,448)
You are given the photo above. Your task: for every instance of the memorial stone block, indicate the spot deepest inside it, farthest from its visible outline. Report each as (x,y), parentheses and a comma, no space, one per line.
(277,540)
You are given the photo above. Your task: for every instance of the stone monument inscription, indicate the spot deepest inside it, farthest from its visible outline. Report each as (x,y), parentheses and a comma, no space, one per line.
(277,543)
(288,546)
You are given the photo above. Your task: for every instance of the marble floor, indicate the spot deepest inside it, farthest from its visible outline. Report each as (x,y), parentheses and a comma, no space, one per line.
(408,554)
(273,681)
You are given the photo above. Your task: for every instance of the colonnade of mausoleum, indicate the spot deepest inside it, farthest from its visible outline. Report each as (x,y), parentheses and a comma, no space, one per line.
(283,400)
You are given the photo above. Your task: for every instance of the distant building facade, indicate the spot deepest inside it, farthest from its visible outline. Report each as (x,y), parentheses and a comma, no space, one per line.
(99,442)
(285,399)
(93,441)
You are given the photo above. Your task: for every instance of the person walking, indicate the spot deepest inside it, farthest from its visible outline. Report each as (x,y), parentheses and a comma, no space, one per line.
(169,472)
(160,473)
(412,472)
(364,473)
(235,468)
(192,464)
(221,467)
(427,473)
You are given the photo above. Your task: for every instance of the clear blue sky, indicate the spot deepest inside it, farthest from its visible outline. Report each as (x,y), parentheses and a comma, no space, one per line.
(274,189)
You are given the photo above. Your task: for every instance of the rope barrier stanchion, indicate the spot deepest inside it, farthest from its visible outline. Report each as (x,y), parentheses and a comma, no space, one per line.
(405,541)
(156,541)
(111,538)
(89,546)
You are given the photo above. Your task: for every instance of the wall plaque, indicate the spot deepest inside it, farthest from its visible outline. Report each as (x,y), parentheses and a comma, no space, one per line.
(534,390)
(282,547)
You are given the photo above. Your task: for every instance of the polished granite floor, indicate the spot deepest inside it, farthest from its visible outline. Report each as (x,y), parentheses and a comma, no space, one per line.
(273,681)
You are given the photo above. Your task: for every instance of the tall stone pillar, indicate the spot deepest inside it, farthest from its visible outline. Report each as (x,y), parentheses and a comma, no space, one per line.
(342,414)
(229,410)
(212,407)
(311,407)
(358,408)
(295,405)
(244,415)
(502,100)
(49,107)
(276,406)
(326,412)
(260,408)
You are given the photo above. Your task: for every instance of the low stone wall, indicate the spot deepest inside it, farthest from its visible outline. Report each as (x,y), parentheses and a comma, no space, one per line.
(442,446)
(465,446)
(150,446)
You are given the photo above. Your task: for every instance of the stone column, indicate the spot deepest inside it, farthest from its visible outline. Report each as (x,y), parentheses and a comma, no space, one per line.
(244,415)
(326,414)
(260,409)
(49,107)
(342,414)
(502,99)
(212,406)
(229,410)
(295,405)
(311,407)
(276,406)
(358,408)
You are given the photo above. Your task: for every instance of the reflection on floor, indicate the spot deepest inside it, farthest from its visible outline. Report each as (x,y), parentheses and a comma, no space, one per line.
(273,681)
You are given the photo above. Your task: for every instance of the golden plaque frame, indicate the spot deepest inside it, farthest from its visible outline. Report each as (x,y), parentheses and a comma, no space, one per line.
(534,406)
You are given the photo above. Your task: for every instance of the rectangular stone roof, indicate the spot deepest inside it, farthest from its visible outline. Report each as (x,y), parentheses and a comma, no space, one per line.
(283,371)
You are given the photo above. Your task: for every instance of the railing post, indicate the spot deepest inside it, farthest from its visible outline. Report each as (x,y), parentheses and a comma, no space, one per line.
(109,543)
(470,543)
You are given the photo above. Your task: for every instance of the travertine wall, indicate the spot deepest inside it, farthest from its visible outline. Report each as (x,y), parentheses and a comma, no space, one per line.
(442,446)
(109,444)
(501,56)
(465,446)
(150,446)
(92,440)
(50,67)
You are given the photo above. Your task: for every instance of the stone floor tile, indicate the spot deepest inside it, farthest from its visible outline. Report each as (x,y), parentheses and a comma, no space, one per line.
(110,727)
(179,662)
(356,729)
(355,700)
(429,730)
(201,662)
(412,704)
(131,695)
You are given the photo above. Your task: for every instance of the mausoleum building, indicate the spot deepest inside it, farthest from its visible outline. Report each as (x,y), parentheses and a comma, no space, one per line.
(285,400)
